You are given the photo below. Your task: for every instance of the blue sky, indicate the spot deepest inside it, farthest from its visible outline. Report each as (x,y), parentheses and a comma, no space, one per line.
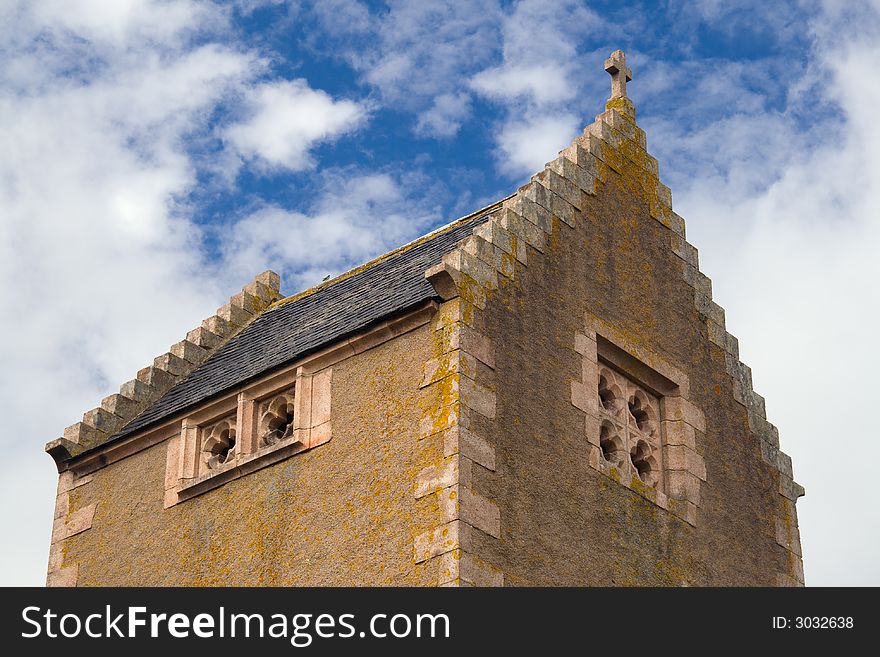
(157,155)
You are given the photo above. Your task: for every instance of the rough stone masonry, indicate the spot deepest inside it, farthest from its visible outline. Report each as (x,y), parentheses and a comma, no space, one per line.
(540,393)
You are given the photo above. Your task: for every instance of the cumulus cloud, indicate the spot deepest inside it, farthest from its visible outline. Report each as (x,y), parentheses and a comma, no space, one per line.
(526,144)
(732,19)
(354,218)
(544,83)
(535,83)
(92,168)
(786,221)
(113,23)
(105,111)
(417,55)
(539,53)
(430,59)
(445,116)
(287,119)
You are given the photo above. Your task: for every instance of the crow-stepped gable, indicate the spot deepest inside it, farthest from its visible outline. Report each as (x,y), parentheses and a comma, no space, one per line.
(540,393)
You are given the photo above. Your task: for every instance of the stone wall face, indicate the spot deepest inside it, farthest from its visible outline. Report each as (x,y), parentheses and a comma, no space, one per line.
(342,513)
(562,522)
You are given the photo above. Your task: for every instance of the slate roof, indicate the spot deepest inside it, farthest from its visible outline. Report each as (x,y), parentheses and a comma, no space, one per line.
(302,324)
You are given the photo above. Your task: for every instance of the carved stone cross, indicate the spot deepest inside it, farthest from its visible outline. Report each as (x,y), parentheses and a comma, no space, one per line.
(620,74)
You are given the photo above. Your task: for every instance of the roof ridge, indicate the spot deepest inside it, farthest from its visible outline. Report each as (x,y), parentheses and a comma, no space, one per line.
(292,323)
(388,254)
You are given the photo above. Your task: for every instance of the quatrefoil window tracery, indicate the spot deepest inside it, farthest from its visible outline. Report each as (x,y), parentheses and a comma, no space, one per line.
(629,437)
(611,444)
(218,445)
(642,411)
(610,394)
(645,463)
(276,419)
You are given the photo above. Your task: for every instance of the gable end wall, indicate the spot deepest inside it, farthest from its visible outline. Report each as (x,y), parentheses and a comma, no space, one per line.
(594,234)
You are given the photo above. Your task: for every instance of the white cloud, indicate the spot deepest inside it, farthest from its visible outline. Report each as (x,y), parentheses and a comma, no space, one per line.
(445,116)
(417,55)
(354,218)
(736,18)
(539,53)
(344,17)
(122,21)
(543,83)
(525,145)
(430,58)
(709,87)
(92,172)
(787,223)
(424,48)
(288,118)
(536,83)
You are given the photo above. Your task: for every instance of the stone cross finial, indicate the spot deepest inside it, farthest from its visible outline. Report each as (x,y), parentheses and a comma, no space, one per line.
(620,74)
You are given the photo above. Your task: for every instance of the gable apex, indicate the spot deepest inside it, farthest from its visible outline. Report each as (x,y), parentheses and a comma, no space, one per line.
(612,145)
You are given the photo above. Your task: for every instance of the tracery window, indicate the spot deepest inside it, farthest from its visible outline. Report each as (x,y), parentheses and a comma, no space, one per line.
(276,419)
(266,422)
(641,426)
(630,428)
(218,444)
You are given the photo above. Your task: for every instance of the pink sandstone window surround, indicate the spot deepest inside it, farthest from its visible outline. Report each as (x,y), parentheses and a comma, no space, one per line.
(265,423)
(641,428)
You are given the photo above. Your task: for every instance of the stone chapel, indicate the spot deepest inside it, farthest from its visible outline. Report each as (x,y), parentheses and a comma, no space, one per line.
(540,393)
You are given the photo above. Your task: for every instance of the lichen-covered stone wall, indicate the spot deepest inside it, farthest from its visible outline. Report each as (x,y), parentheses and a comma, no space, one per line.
(342,513)
(562,522)
(460,450)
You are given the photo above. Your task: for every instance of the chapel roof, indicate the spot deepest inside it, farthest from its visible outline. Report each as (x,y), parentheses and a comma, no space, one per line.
(298,325)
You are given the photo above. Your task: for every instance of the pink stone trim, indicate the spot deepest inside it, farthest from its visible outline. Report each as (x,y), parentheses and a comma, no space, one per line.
(461,375)
(312,427)
(674,421)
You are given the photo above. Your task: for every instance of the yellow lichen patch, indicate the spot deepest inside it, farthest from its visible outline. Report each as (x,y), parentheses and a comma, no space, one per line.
(508,264)
(637,171)
(472,291)
(441,367)
(621,103)
(643,489)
